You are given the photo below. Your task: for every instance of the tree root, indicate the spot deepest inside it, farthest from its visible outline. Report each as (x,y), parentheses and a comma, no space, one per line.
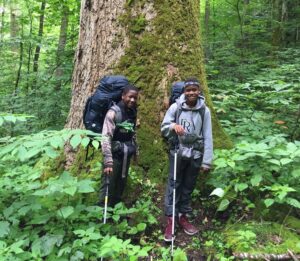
(289,256)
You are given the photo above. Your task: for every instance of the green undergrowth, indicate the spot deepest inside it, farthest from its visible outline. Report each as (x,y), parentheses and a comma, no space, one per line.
(262,238)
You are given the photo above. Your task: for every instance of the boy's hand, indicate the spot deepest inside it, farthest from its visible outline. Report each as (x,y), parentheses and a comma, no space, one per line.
(205,170)
(108,171)
(178,129)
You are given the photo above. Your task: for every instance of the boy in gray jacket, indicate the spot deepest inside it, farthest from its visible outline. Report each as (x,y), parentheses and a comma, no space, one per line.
(187,126)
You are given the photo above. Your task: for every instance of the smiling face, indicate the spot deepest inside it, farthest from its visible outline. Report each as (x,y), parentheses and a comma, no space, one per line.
(191,93)
(130,98)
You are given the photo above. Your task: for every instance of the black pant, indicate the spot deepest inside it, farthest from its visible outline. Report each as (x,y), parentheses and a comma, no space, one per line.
(117,183)
(186,177)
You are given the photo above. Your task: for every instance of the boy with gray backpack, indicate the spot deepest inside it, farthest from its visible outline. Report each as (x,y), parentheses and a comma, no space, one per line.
(187,126)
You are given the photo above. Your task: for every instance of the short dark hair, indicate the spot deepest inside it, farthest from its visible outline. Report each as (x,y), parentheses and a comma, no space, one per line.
(130,87)
(192,81)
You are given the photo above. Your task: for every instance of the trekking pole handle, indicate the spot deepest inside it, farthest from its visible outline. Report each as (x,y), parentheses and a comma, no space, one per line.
(176,144)
(106,179)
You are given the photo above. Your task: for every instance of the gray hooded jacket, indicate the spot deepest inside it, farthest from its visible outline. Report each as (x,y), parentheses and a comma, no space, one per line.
(193,143)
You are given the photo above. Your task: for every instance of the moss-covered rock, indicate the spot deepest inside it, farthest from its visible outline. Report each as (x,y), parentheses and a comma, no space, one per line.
(261,238)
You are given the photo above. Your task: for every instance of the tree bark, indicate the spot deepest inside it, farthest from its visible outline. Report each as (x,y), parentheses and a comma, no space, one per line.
(29,52)
(2,21)
(61,45)
(20,64)
(40,35)
(14,27)
(207,17)
(143,41)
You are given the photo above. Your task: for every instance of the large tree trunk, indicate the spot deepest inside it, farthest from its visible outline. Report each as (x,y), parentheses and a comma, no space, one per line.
(153,43)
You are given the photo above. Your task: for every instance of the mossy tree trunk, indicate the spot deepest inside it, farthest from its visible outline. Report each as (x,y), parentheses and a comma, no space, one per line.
(153,43)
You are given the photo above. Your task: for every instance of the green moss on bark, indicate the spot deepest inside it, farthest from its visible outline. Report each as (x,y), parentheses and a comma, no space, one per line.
(173,38)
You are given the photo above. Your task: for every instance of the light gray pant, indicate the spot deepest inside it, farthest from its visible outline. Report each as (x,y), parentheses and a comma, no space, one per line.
(187,173)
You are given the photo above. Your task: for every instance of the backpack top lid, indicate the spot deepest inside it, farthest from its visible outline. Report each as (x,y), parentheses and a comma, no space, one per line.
(177,89)
(111,86)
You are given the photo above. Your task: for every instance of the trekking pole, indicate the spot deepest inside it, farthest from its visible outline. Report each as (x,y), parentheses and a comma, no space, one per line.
(106,198)
(105,201)
(174,198)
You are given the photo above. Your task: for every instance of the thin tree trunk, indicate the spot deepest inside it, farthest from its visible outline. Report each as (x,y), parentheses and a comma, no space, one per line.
(277,29)
(40,35)
(2,22)
(240,19)
(61,45)
(284,18)
(14,27)
(29,53)
(20,63)
(207,17)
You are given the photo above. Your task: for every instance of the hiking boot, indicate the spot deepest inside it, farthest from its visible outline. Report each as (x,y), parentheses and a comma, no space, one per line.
(168,230)
(188,228)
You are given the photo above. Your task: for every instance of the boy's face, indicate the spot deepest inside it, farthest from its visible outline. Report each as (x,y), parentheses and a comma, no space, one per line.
(130,98)
(191,93)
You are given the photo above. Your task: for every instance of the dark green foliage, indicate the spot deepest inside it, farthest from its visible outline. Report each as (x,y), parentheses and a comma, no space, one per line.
(44,94)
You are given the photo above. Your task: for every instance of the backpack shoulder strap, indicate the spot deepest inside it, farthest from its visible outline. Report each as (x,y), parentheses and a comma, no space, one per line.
(178,112)
(117,110)
(202,113)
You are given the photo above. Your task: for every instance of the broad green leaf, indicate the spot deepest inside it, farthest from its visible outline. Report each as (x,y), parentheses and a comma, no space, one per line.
(10,118)
(231,163)
(77,256)
(218,192)
(281,152)
(220,163)
(32,152)
(85,186)
(256,180)
(95,144)
(3,245)
(132,231)
(75,141)
(70,190)
(223,205)
(285,161)
(1,121)
(16,247)
(4,228)
(180,255)
(274,161)
(51,153)
(296,173)
(85,142)
(141,227)
(65,211)
(240,186)
(57,142)
(291,147)
(22,155)
(67,179)
(94,236)
(268,202)
(293,202)
(44,246)
(64,250)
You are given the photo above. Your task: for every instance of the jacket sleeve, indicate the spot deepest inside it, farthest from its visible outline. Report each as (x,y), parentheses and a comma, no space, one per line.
(208,140)
(169,121)
(108,130)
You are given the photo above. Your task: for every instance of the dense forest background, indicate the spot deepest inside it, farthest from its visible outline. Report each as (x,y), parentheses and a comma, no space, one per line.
(248,207)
